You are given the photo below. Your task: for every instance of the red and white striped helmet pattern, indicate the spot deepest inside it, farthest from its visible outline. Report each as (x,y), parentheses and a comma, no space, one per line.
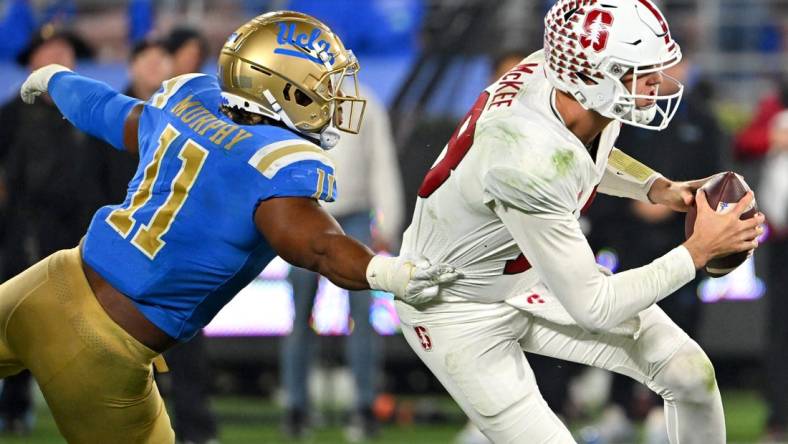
(589,45)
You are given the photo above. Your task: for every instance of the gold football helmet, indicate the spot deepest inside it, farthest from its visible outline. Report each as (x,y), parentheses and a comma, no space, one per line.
(292,68)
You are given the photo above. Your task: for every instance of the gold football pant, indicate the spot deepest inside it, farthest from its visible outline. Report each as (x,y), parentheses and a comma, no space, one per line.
(96,378)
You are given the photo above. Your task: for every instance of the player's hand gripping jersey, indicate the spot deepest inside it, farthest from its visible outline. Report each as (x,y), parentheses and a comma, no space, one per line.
(184,242)
(501,204)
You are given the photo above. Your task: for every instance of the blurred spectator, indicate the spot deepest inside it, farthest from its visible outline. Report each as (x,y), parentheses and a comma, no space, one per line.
(189,50)
(16,26)
(752,142)
(140,20)
(149,65)
(370,189)
(773,200)
(46,207)
(690,148)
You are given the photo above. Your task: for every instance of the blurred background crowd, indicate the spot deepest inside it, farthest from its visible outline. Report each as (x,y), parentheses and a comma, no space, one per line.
(294,357)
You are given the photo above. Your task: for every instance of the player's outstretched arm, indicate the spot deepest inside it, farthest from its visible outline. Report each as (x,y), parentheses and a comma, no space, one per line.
(303,234)
(560,253)
(90,105)
(558,250)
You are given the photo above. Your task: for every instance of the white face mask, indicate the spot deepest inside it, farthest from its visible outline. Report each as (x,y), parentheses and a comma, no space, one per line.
(624,108)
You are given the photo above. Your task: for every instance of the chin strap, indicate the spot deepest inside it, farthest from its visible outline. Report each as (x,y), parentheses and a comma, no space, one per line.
(644,116)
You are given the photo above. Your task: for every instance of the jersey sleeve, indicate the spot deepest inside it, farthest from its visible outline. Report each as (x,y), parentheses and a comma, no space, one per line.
(523,172)
(295,168)
(92,106)
(561,255)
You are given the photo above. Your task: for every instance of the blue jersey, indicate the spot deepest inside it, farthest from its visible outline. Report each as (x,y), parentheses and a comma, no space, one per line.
(184,241)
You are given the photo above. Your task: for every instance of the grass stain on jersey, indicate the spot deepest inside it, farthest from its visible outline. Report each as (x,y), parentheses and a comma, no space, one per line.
(502,132)
(563,161)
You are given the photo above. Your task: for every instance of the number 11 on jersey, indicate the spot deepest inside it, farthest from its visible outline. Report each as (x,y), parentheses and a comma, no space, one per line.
(148,237)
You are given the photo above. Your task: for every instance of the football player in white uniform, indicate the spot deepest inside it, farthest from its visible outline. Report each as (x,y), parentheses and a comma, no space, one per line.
(501,204)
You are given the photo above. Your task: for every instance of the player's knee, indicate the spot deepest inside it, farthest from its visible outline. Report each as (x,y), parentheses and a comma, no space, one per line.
(688,376)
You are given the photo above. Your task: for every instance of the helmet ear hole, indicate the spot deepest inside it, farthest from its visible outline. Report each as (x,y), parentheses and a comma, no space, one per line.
(301,98)
(586,79)
(286,92)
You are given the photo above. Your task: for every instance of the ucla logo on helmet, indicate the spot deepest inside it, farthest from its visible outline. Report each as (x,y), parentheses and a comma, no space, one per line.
(312,41)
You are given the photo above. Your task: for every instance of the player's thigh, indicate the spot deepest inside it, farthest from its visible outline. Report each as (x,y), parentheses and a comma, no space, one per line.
(95,377)
(94,400)
(478,360)
(639,356)
(15,316)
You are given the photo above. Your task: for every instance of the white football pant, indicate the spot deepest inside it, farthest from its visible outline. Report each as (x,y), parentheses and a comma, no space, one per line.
(476,351)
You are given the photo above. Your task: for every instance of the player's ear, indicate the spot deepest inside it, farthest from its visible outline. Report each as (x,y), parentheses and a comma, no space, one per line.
(130,129)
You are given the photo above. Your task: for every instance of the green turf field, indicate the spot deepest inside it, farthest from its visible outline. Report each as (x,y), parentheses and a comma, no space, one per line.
(252,421)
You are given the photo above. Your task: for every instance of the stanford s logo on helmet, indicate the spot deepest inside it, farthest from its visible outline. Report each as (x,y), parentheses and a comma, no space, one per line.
(596,26)
(590,45)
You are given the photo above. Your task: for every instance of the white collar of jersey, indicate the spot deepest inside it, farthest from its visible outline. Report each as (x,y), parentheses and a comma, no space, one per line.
(554,108)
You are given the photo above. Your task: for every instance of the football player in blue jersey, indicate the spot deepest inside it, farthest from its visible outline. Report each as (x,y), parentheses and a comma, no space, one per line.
(231,171)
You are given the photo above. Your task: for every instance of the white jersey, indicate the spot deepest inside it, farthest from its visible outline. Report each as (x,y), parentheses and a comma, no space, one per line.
(514,152)
(521,154)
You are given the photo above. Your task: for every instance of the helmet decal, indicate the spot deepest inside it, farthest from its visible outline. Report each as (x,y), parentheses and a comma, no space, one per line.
(292,68)
(305,44)
(597,29)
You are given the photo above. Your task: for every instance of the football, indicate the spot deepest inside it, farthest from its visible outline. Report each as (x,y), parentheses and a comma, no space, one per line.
(722,192)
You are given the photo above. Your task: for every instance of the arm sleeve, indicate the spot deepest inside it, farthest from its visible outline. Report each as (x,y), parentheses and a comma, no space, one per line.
(626,177)
(92,106)
(558,250)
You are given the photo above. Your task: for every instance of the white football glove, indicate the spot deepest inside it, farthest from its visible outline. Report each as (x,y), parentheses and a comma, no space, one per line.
(413,282)
(38,82)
